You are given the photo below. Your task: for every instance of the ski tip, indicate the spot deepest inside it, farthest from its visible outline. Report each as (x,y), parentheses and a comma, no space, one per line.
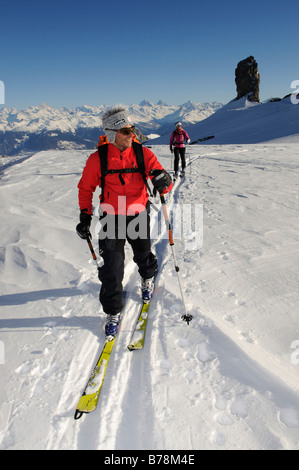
(78,414)
(133,347)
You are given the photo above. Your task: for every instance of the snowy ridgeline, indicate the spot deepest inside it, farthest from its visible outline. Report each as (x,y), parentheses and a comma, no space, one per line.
(149,116)
(44,127)
(238,122)
(244,122)
(228,381)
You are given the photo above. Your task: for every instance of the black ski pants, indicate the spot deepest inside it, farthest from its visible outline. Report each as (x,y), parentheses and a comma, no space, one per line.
(115,230)
(179,152)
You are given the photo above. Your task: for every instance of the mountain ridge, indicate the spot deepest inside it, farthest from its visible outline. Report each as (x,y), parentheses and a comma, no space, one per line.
(245,122)
(45,127)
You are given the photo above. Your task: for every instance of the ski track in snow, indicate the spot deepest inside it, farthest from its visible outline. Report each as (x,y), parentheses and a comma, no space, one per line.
(226,381)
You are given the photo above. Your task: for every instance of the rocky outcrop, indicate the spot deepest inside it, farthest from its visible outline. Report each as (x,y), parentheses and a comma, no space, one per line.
(247,79)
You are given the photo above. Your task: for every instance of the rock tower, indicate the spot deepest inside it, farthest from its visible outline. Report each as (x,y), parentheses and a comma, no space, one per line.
(247,79)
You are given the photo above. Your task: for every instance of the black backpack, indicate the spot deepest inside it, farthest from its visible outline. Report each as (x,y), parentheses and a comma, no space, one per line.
(103,153)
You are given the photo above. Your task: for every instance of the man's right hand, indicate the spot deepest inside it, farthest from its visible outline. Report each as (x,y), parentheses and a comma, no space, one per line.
(84,225)
(161,180)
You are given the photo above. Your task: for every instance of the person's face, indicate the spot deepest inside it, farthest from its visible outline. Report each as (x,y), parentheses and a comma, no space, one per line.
(124,141)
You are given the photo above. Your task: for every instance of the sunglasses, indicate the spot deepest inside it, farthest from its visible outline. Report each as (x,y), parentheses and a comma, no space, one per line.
(123,130)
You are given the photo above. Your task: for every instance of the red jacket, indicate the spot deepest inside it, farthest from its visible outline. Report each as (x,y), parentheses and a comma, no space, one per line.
(127,199)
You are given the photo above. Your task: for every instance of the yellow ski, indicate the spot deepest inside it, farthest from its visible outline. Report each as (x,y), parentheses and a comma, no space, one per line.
(138,336)
(90,396)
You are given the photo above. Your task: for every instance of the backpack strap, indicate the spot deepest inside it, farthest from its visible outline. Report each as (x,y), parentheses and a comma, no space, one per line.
(137,147)
(103,154)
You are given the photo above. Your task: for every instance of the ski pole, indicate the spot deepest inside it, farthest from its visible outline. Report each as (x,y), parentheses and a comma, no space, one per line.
(186,317)
(94,256)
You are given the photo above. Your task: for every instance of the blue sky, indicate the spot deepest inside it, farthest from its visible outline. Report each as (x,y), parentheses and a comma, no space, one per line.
(70,53)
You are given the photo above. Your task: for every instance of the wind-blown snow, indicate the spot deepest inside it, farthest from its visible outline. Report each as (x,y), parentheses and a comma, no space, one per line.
(229,380)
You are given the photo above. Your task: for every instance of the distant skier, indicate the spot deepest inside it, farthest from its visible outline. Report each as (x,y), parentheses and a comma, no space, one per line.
(179,138)
(120,167)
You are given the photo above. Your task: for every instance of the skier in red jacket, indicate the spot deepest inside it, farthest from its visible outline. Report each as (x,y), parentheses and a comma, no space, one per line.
(124,207)
(178,138)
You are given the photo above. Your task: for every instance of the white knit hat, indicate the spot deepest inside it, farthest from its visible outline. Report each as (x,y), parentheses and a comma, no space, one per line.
(115,118)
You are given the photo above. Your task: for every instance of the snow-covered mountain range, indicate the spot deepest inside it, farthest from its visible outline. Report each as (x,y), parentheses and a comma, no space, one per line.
(45,127)
(238,122)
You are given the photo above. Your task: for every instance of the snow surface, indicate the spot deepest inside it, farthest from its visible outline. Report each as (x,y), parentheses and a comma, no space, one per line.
(244,122)
(229,380)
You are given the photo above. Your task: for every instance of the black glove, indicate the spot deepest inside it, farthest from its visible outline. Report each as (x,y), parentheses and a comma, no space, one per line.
(84,225)
(161,180)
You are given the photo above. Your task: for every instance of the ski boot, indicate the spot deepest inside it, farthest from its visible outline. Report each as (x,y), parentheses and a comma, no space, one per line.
(111,326)
(147,289)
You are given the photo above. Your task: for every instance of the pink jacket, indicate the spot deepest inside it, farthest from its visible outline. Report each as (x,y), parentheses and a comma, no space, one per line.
(178,139)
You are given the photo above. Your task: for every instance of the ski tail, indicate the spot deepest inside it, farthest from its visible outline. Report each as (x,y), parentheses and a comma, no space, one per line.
(90,396)
(91,393)
(139,332)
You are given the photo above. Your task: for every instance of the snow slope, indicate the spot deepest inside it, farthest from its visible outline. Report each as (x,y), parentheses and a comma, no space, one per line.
(244,122)
(229,380)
